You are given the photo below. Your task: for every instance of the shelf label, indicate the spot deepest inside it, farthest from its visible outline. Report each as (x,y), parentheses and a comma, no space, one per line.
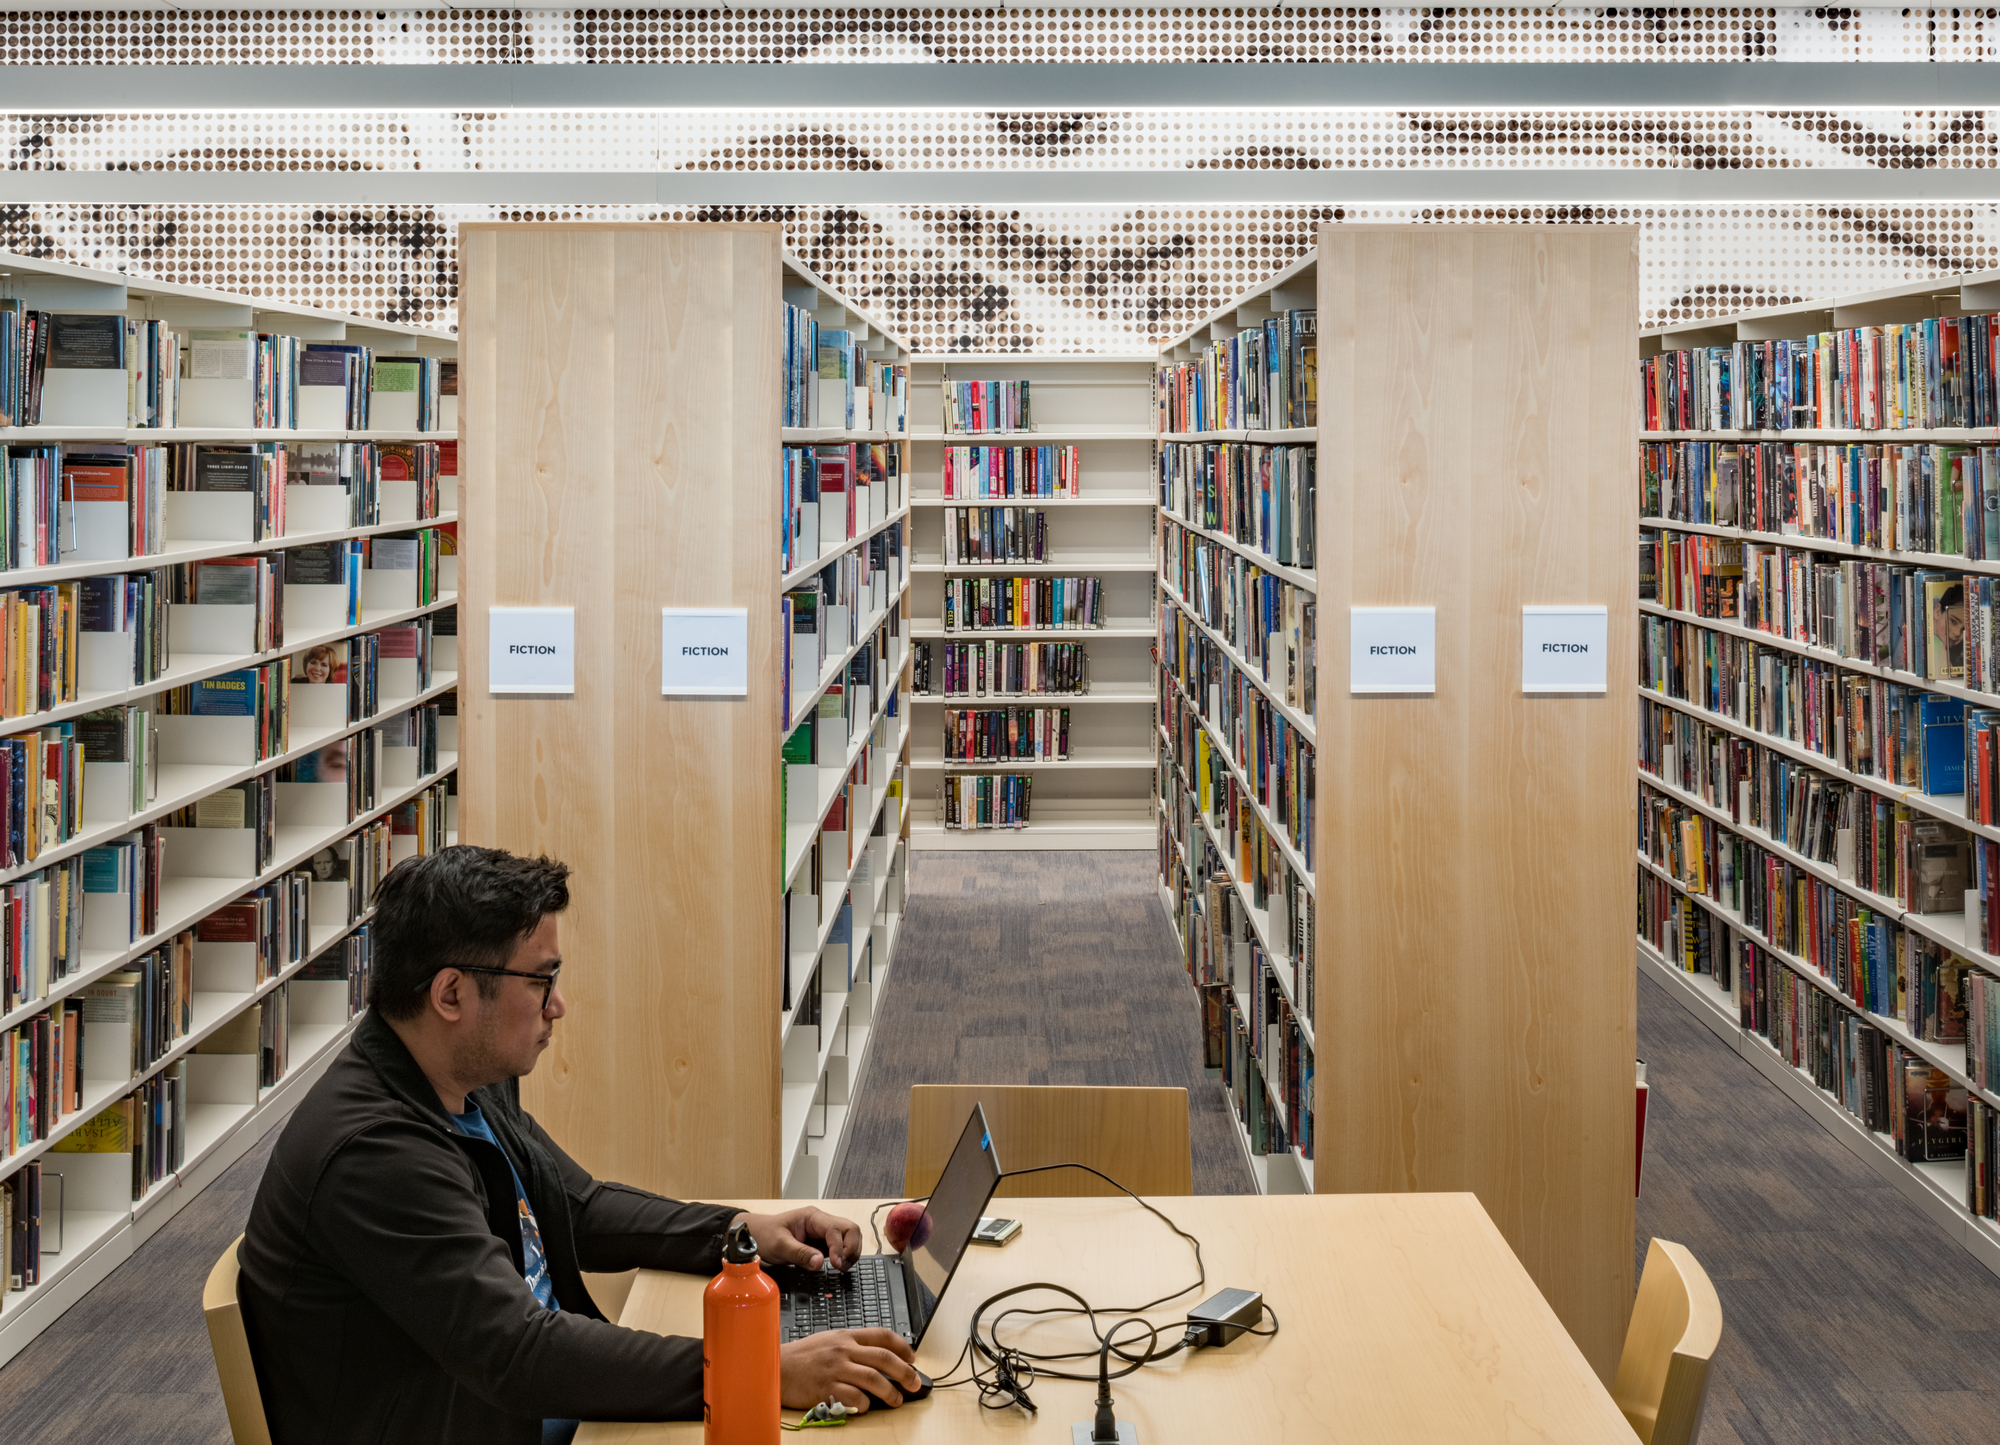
(704,652)
(530,650)
(1393,649)
(1564,649)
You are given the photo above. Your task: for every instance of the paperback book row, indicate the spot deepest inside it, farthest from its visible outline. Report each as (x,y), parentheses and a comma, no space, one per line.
(832,494)
(1875,845)
(1006,734)
(986,406)
(1264,378)
(43,774)
(1270,623)
(1926,1115)
(979,535)
(831,381)
(1020,604)
(74,368)
(1265,881)
(1266,1068)
(1251,1040)
(1218,726)
(865,699)
(149,1125)
(1000,669)
(825,618)
(1263,497)
(1934,625)
(96,502)
(1859,945)
(1910,498)
(1934,373)
(1870,727)
(839,884)
(973,802)
(1045,471)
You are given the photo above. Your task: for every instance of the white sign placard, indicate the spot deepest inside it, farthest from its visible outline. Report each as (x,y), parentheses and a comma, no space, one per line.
(704,652)
(531,649)
(1394,649)
(1564,649)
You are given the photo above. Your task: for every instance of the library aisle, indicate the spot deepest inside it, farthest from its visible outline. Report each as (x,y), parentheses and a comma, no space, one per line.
(1035,968)
(1851,1316)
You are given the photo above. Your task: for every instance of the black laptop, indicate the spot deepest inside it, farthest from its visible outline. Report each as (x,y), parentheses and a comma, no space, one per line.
(899,1292)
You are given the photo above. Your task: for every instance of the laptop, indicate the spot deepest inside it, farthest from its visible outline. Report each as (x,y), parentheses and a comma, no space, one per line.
(899,1292)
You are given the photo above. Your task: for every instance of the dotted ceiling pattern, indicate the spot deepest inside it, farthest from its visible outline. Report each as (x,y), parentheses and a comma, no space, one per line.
(1047,279)
(1163,139)
(295,36)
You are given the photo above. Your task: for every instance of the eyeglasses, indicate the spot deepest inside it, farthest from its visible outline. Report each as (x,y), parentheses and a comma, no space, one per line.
(546,980)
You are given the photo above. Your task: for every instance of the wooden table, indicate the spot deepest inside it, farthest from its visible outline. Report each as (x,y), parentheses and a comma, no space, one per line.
(1405,1317)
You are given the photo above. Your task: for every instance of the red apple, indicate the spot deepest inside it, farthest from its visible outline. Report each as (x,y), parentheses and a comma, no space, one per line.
(908,1226)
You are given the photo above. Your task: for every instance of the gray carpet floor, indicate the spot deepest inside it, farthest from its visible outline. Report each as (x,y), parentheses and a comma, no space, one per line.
(1851,1318)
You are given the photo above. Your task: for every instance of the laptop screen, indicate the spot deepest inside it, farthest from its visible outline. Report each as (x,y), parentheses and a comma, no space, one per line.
(960,1197)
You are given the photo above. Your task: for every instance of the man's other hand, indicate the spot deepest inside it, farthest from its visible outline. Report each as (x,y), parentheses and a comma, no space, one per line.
(798,1235)
(842,1365)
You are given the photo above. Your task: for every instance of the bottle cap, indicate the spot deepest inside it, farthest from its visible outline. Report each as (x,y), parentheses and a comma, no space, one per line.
(739,1247)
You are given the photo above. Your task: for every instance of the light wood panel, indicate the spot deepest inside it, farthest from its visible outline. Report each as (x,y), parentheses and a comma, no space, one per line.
(1475,855)
(1404,1320)
(620,388)
(1138,1136)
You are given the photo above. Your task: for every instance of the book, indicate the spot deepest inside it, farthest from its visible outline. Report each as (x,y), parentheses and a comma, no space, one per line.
(317,564)
(232,694)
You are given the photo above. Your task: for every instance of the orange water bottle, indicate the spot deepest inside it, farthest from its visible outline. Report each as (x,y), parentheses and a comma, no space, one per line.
(739,1349)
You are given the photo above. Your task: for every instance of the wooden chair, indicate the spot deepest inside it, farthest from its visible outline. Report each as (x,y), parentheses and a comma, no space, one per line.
(1676,1325)
(1137,1136)
(231,1343)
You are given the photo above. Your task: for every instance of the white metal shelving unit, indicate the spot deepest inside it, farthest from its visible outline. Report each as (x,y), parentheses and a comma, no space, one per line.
(823,1062)
(1937,1187)
(1296,287)
(1100,796)
(100,1223)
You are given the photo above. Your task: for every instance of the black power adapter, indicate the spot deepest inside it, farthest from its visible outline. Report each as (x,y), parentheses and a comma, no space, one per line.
(1223,1316)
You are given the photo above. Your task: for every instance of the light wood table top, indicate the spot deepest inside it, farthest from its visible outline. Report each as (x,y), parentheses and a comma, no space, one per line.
(1405,1318)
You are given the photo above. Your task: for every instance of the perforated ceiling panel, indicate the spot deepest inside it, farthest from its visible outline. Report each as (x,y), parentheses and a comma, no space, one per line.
(1158,33)
(961,140)
(1046,279)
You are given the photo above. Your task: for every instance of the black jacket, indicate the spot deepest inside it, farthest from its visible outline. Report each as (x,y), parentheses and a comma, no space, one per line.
(382,1277)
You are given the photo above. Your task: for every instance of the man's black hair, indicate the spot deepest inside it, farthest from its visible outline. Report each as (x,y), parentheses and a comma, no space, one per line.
(457,907)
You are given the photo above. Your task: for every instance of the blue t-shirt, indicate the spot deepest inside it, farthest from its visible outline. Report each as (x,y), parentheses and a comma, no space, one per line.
(473,1123)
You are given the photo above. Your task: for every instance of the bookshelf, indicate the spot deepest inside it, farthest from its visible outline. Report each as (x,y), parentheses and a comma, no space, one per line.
(1471,842)
(1853,448)
(741,861)
(212,1013)
(1096,793)
(1233,879)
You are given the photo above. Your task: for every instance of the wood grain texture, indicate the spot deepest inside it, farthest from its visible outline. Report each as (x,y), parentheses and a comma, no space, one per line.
(1676,1326)
(1137,1136)
(230,1341)
(619,445)
(1474,871)
(1405,1319)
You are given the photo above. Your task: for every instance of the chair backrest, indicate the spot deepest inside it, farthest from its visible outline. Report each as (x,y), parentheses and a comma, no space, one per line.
(1676,1325)
(1137,1136)
(231,1343)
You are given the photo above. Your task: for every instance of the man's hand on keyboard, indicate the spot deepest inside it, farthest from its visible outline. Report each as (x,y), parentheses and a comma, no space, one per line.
(848,1366)
(799,1235)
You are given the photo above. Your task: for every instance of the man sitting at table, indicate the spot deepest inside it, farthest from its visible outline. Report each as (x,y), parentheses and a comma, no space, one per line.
(411,1270)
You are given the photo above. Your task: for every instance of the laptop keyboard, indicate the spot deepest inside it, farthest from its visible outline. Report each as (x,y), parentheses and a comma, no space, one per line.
(832,1300)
